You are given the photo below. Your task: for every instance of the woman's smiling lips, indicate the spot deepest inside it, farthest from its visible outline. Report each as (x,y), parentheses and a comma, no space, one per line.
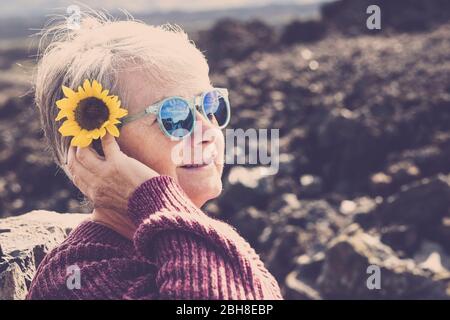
(196,166)
(207,162)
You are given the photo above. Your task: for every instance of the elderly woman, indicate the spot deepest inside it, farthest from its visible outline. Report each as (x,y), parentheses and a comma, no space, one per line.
(147,237)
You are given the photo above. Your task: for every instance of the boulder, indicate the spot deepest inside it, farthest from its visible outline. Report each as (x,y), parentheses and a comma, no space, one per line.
(424,203)
(405,239)
(231,39)
(24,241)
(296,289)
(301,282)
(303,31)
(345,273)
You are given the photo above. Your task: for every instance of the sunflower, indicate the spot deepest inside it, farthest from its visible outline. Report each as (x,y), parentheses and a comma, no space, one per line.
(89,112)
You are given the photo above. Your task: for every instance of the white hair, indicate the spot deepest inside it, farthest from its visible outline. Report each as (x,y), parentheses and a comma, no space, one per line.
(100,49)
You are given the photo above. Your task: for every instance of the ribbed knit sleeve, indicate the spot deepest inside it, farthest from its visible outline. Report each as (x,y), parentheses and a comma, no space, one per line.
(197,257)
(178,252)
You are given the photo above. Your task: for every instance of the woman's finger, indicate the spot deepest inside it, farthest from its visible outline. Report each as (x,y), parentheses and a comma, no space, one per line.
(70,153)
(84,176)
(83,183)
(110,146)
(89,159)
(71,158)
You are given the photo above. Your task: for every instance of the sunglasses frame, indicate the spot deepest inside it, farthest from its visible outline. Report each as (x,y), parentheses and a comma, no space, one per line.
(196,103)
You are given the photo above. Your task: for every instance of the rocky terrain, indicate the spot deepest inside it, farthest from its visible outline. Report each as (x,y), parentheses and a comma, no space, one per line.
(24,242)
(364,173)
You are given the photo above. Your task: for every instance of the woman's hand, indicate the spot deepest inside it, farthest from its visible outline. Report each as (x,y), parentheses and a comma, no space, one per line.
(108,182)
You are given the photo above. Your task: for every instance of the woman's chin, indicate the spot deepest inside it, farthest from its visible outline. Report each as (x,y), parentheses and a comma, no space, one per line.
(200,187)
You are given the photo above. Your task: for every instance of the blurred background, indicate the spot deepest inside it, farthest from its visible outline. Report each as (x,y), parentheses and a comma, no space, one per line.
(364,119)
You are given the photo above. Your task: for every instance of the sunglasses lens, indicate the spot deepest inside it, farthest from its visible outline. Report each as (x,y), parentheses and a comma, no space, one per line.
(177,117)
(216,108)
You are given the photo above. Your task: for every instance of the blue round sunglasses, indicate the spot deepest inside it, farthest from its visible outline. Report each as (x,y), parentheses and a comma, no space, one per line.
(176,115)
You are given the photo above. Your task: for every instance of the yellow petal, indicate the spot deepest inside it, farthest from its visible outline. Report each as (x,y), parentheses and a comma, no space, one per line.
(65,104)
(81,140)
(87,87)
(112,100)
(95,134)
(81,93)
(105,93)
(105,124)
(85,137)
(65,113)
(115,102)
(69,93)
(121,113)
(113,116)
(60,116)
(102,132)
(97,88)
(113,130)
(87,133)
(114,121)
(69,128)
(112,109)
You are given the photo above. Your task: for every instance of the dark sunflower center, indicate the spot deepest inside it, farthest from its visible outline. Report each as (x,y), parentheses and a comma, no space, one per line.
(91,113)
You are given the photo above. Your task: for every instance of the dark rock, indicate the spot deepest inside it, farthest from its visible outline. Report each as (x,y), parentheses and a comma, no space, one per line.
(303,31)
(346,147)
(344,273)
(251,222)
(286,245)
(422,204)
(310,266)
(296,289)
(404,239)
(311,212)
(441,233)
(301,282)
(310,186)
(235,40)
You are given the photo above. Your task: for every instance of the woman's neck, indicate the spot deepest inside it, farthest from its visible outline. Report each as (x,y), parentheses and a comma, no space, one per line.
(115,221)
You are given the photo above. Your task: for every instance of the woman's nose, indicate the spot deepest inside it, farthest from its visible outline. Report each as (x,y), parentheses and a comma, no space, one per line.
(206,130)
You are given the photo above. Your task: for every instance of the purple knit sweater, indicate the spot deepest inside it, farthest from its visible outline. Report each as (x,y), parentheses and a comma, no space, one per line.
(178,252)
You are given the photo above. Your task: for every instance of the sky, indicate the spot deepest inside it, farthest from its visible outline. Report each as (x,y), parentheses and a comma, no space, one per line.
(20,8)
